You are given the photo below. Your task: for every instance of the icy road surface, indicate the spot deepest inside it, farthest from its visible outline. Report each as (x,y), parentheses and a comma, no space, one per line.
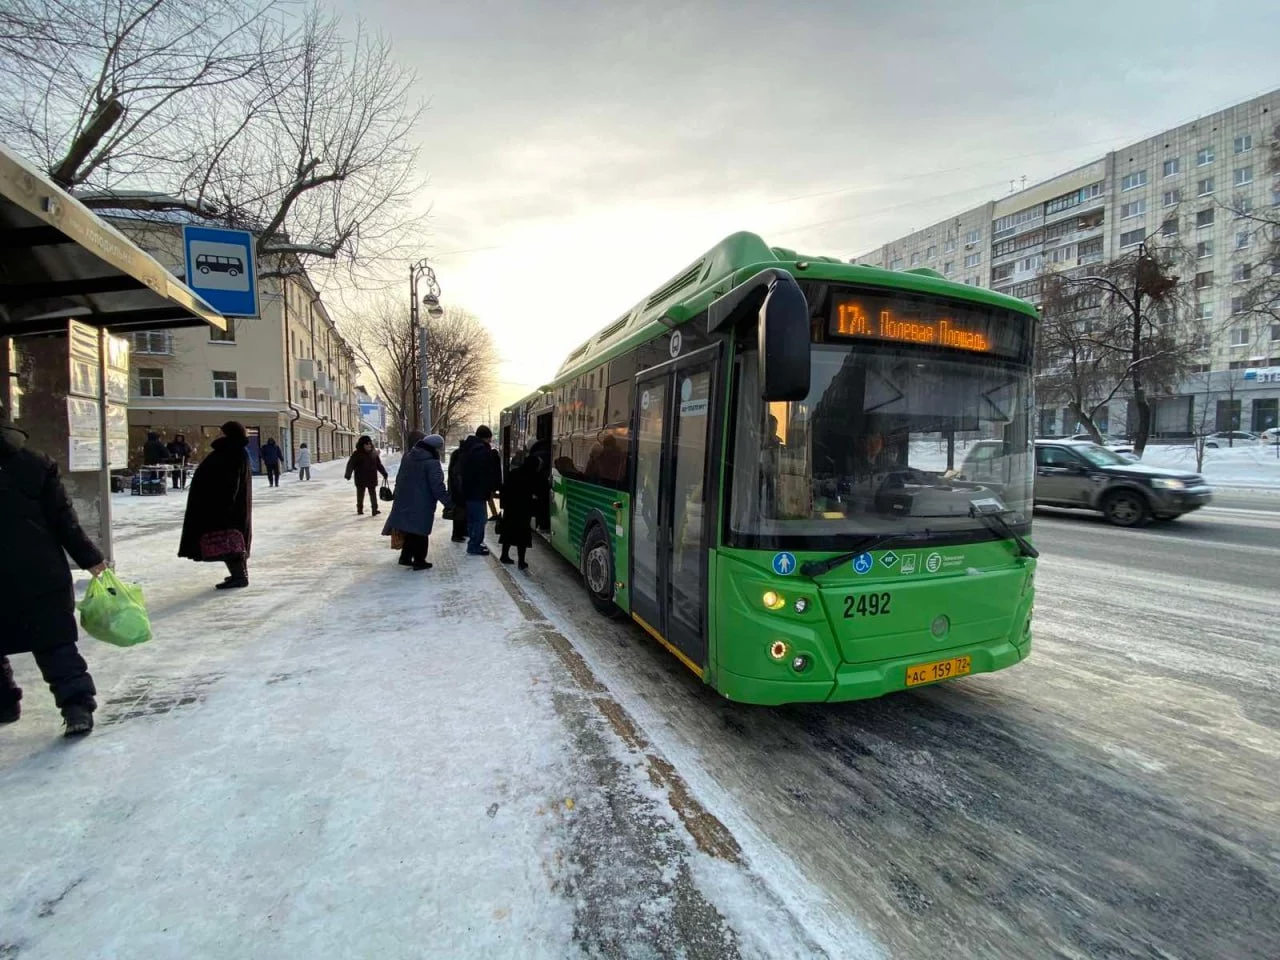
(1115,796)
(351,760)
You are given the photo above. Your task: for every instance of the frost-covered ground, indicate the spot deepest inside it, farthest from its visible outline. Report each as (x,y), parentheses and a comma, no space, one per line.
(1257,465)
(349,759)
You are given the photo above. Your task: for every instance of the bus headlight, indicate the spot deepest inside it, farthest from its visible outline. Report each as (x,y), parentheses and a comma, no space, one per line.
(778,650)
(800,664)
(773,600)
(802,605)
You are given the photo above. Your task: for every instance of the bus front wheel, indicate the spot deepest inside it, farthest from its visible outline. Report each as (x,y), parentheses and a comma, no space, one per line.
(598,571)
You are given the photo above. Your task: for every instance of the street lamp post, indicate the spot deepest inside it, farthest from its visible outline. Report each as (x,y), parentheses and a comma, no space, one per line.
(418,334)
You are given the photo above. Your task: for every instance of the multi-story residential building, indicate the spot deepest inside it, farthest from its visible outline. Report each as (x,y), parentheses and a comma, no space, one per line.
(287,374)
(1189,183)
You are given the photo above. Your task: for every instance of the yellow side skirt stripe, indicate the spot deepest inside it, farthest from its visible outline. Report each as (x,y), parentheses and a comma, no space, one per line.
(697,670)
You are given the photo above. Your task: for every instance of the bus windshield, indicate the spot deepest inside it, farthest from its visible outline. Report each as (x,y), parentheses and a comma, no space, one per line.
(880,445)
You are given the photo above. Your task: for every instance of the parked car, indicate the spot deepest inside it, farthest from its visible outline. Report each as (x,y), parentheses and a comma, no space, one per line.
(1086,475)
(1119,444)
(1231,438)
(1271,436)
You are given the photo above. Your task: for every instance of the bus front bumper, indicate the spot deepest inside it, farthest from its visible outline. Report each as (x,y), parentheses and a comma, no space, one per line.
(863,681)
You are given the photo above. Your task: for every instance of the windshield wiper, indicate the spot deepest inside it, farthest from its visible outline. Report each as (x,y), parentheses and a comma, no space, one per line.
(992,512)
(816,568)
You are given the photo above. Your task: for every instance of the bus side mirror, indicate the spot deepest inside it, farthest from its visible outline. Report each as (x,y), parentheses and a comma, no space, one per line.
(784,343)
(782,330)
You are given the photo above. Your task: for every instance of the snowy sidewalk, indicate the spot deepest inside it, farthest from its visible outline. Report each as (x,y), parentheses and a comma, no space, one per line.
(350,759)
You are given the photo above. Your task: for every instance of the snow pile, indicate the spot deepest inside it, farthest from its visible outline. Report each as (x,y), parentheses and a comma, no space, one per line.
(1254,465)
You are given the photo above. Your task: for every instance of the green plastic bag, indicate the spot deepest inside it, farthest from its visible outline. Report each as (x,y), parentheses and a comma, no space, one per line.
(113,611)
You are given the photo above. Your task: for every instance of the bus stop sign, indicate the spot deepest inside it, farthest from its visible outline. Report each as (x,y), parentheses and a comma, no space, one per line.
(220,267)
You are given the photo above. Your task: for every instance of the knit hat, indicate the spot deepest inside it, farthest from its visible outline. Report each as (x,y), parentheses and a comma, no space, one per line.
(435,440)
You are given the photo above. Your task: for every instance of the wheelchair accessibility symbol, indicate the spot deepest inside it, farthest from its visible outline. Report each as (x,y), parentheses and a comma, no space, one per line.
(862,563)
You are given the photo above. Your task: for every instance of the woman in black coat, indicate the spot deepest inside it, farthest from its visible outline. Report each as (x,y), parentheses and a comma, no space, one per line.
(221,501)
(365,465)
(517,508)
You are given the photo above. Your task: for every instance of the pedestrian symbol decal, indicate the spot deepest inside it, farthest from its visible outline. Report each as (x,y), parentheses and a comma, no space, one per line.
(784,564)
(889,559)
(862,564)
(908,563)
(644,400)
(933,563)
(677,341)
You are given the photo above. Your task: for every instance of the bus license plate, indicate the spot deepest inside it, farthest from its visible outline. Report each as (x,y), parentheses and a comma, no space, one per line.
(938,670)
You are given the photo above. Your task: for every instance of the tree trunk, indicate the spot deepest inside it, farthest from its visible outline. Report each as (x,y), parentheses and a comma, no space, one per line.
(1085,420)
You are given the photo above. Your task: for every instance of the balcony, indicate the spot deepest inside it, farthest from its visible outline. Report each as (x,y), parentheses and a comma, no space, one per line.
(306,369)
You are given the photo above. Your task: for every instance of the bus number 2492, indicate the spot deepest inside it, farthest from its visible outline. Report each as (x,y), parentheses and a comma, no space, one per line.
(866,605)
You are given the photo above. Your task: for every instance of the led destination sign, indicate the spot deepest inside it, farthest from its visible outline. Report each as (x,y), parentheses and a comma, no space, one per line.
(930,324)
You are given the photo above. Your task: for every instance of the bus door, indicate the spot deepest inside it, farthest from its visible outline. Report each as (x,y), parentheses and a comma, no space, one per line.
(670,513)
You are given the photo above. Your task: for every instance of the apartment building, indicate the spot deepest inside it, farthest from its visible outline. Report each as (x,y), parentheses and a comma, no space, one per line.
(286,375)
(1187,182)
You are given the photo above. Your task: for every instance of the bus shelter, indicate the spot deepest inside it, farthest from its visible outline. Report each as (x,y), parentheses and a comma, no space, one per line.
(71,286)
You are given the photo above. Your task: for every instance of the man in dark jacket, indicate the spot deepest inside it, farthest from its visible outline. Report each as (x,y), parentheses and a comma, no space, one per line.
(221,501)
(365,465)
(481,477)
(455,489)
(38,528)
(179,453)
(272,458)
(154,451)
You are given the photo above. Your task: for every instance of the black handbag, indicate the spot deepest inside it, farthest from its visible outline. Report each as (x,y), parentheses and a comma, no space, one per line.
(497,525)
(447,513)
(386,493)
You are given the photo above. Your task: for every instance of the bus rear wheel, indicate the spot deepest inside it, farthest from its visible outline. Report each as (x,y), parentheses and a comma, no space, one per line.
(598,571)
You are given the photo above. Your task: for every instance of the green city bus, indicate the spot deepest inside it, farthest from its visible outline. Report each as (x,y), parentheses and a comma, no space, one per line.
(809,480)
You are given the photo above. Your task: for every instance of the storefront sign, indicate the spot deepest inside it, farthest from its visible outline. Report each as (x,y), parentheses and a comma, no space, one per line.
(1262,375)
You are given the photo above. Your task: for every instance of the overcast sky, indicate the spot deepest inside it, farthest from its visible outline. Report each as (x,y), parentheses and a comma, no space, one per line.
(581,152)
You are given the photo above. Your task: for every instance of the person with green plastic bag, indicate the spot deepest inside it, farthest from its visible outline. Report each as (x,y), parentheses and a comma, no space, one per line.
(38,528)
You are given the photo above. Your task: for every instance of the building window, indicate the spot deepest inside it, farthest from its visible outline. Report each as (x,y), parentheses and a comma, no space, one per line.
(1204,218)
(895,263)
(915,258)
(224,385)
(150,382)
(1089,251)
(972,259)
(1239,335)
(1275,332)
(1243,175)
(1171,167)
(1204,156)
(154,342)
(1002,273)
(227,336)
(1030,263)
(973,236)
(1243,207)
(1131,238)
(1243,239)
(1244,144)
(1203,280)
(931,252)
(1242,272)
(949,245)
(1205,312)
(1135,209)
(1169,228)
(1134,180)
(1204,249)
(1171,197)
(1204,187)
(949,267)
